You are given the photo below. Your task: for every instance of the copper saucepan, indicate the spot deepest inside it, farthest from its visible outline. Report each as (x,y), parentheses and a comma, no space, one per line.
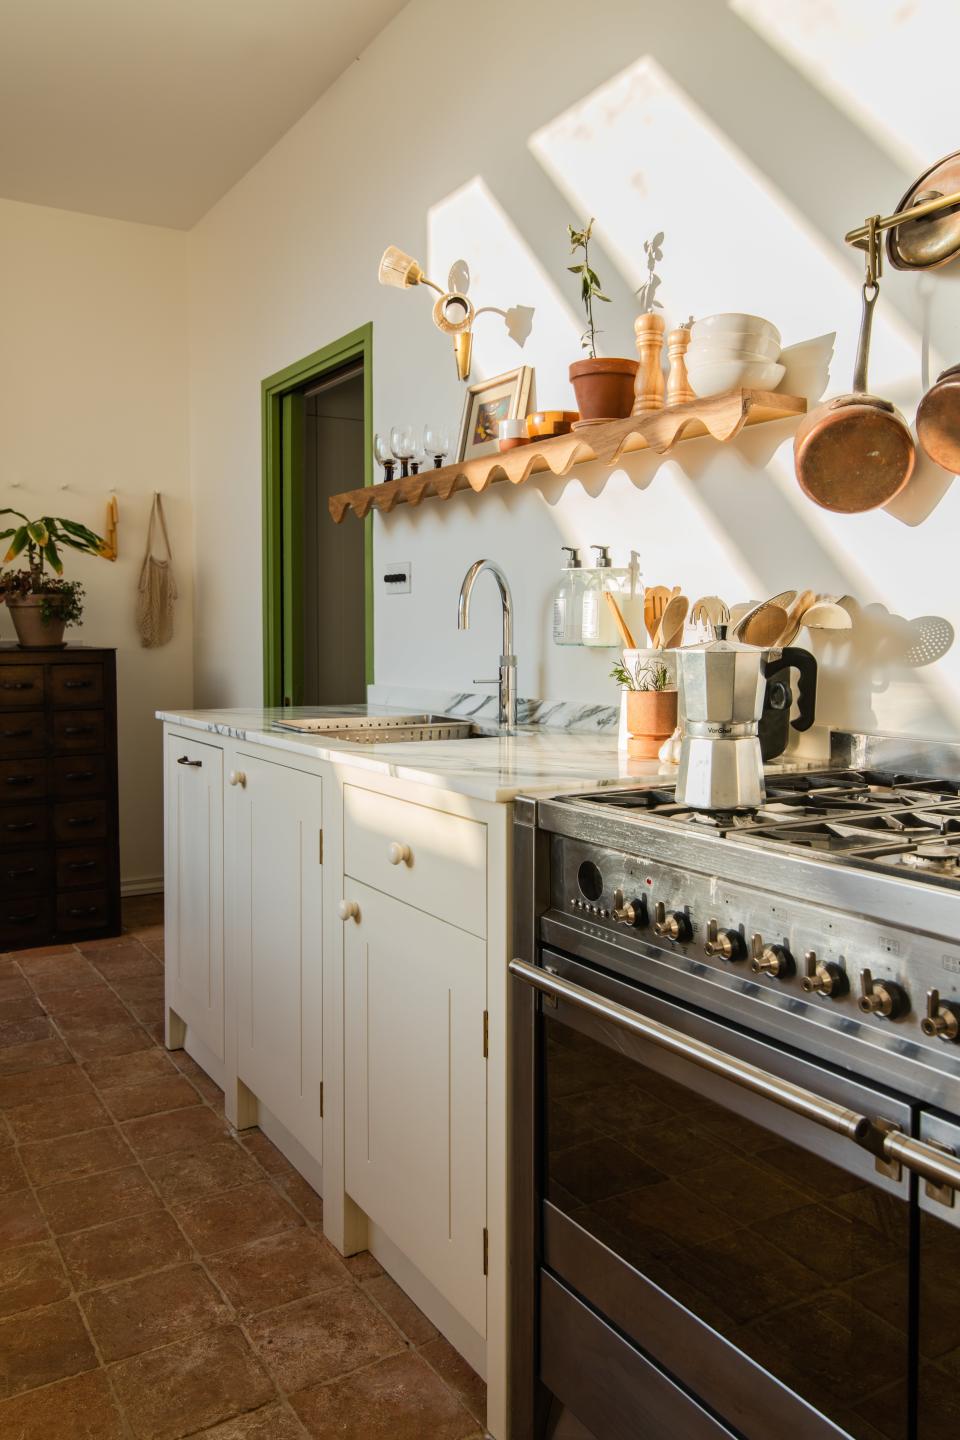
(855,452)
(938,420)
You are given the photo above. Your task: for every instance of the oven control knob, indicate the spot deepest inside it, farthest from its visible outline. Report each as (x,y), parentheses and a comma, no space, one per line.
(823,977)
(884,998)
(675,927)
(728,944)
(631,912)
(773,960)
(942,1018)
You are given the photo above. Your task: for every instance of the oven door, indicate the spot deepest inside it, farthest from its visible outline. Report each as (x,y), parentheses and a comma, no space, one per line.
(741,1239)
(939,1304)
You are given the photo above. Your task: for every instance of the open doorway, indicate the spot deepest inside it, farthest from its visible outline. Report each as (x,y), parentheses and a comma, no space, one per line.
(317,581)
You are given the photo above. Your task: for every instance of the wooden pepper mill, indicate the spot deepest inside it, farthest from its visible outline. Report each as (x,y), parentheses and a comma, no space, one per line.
(679,389)
(649,384)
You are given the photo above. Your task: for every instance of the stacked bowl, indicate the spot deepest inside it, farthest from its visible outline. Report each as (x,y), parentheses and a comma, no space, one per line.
(729,351)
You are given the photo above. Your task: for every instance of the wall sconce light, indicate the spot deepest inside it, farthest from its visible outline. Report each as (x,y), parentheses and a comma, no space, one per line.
(453,312)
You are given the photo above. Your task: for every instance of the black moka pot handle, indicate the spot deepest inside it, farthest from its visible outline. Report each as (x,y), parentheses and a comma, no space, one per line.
(805,664)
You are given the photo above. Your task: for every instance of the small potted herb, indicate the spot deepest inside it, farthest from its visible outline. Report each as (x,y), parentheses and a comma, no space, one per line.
(603,385)
(651,705)
(42,605)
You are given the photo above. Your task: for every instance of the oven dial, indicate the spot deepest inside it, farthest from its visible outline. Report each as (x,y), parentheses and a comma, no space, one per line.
(728,944)
(886,998)
(632,912)
(823,977)
(942,1018)
(675,927)
(773,960)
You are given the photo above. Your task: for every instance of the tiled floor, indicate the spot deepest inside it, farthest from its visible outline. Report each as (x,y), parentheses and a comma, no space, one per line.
(161,1276)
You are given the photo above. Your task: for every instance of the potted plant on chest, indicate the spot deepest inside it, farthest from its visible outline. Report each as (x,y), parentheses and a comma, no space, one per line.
(651,705)
(603,385)
(43,605)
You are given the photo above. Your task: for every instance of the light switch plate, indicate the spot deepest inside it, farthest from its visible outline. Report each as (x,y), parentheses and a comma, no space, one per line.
(397,578)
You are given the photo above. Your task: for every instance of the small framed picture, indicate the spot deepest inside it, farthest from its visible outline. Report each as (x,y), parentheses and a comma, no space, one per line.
(503,397)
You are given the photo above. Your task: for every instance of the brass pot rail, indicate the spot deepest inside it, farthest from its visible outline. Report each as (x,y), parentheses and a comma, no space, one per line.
(861,236)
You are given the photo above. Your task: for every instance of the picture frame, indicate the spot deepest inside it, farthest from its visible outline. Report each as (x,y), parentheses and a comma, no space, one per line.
(502,397)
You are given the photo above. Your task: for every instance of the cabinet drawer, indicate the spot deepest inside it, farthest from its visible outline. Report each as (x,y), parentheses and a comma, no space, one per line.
(24,734)
(435,861)
(21,685)
(76,684)
(77,730)
(24,872)
(23,921)
(23,825)
(23,779)
(82,909)
(80,820)
(82,865)
(77,775)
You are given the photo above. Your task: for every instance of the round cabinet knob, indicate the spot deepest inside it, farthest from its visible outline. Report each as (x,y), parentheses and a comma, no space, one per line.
(674,927)
(823,977)
(773,960)
(237,777)
(348,910)
(883,998)
(942,1019)
(399,854)
(629,912)
(728,944)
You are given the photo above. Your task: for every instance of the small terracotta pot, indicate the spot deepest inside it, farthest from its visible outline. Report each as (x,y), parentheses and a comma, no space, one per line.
(651,719)
(604,388)
(33,632)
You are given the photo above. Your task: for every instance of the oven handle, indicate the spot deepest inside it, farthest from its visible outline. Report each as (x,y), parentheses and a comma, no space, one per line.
(887,1143)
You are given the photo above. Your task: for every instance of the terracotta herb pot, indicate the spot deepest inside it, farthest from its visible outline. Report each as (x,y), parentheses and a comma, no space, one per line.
(33,632)
(604,388)
(651,719)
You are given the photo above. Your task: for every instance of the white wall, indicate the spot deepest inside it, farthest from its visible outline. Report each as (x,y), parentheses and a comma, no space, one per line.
(93,397)
(754,134)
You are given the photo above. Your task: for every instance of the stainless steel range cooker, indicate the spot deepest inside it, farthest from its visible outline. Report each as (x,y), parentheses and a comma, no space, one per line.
(736,1081)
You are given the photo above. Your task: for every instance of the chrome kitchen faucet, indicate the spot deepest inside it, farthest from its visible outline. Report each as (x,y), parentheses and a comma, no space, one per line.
(507,680)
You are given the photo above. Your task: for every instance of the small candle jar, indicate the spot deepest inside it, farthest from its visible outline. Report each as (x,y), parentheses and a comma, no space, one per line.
(512,433)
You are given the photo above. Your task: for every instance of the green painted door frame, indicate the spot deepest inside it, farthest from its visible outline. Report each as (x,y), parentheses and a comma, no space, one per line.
(281,421)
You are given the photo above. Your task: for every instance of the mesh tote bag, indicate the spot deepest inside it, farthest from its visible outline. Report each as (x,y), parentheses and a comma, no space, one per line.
(157,589)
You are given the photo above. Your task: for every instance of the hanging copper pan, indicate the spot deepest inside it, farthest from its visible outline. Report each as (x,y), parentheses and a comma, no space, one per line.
(938,420)
(855,452)
(933,240)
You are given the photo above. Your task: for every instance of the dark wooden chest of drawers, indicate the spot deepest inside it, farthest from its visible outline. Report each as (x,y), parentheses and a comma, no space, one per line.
(59,840)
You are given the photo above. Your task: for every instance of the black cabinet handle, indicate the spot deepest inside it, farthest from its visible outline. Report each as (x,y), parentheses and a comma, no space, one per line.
(23,919)
(17,825)
(81,820)
(80,775)
(26,870)
(185,760)
(81,865)
(77,684)
(16,684)
(22,779)
(16,734)
(83,910)
(72,730)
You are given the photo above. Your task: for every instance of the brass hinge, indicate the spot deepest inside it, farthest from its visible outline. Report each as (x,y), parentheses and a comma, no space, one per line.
(486,1034)
(486,1249)
(320,849)
(321,1099)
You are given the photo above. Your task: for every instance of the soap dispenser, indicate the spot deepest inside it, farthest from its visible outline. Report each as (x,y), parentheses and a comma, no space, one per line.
(598,627)
(568,600)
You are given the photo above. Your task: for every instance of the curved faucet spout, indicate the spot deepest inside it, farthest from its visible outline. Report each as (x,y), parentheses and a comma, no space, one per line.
(507,681)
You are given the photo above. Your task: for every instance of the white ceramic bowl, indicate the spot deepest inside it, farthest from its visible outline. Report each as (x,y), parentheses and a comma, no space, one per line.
(726,343)
(734,321)
(714,376)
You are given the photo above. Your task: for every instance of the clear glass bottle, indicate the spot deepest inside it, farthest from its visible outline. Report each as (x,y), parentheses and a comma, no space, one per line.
(568,600)
(597,620)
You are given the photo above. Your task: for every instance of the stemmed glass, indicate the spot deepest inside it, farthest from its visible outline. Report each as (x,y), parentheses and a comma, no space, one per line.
(401,443)
(384,456)
(419,460)
(436,442)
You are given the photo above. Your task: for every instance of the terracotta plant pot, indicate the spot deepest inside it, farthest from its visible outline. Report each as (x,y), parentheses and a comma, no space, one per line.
(651,719)
(604,388)
(33,632)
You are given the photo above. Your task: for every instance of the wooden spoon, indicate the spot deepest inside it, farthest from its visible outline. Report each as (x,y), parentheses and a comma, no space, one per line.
(654,603)
(783,601)
(672,623)
(764,627)
(626,635)
(795,617)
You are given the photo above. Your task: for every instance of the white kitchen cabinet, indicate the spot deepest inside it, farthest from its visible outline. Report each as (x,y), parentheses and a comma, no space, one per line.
(415,1089)
(276,940)
(194,896)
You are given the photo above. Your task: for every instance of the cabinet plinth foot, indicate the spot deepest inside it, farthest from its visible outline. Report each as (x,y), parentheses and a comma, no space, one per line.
(175,1031)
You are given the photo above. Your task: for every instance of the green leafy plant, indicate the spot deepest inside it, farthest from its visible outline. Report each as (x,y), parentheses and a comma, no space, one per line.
(39,542)
(642,677)
(590,287)
(653,249)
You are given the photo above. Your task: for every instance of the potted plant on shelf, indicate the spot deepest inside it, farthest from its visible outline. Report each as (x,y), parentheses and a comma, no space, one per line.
(651,705)
(603,385)
(43,605)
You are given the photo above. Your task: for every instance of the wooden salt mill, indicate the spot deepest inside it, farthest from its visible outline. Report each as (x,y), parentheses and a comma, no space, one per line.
(679,389)
(649,384)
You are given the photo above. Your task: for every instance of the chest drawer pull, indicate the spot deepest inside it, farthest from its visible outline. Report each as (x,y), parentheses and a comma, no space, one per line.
(81,865)
(185,760)
(80,775)
(16,734)
(76,730)
(17,825)
(24,870)
(77,822)
(22,779)
(83,910)
(24,919)
(77,684)
(16,684)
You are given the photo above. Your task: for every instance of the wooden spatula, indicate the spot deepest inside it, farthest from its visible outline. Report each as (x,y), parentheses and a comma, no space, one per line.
(654,604)
(626,634)
(672,622)
(764,627)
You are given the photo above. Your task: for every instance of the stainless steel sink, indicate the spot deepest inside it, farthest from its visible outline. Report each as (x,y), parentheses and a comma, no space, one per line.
(384,729)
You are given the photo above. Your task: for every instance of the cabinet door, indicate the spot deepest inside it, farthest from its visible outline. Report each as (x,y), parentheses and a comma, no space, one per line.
(194,887)
(415,1089)
(277,930)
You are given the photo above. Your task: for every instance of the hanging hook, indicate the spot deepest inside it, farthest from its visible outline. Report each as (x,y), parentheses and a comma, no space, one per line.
(874,252)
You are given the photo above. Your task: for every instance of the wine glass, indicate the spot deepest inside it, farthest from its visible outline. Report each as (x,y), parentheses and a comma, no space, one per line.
(436,442)
(401,443)
(419,459)
(384,456)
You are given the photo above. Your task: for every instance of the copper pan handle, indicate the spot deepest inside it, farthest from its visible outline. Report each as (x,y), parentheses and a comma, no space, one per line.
(871,292)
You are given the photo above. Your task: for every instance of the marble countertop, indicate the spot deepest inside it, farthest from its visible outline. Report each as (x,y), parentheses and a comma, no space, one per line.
(490,767)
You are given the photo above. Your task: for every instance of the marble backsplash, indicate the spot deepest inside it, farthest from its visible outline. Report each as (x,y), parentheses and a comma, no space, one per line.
(571,715)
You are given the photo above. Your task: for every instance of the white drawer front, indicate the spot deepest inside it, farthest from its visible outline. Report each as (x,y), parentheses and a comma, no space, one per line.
(435,861)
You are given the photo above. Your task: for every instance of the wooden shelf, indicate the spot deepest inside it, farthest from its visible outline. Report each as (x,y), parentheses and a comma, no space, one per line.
(722,416)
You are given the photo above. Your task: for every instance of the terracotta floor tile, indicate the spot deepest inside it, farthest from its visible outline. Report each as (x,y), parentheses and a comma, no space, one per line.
(31,1275)
(237,1217)
(94,1042)
(12,1175)
(401,1309)
(273,1422)
(52,1082)
(85,1010)
(139,1315)
(134,1069)
(78,1204)
(66,1115)
(458,1374)
(398,1399)
(273,1272)
(48,1161)
(124,961)
(191,1385)
(34,1055)
(300,1194)
(317,1339)
(152,1097)
(6,1134)
(154,945)
(77,1409)
(62,972)
(43,1346)
(25,1031)
(157,1032)
(107,942)
(123,1249)
(363,1265)
(186,1175)
(264,1151)
(182,1130)
(150,1013)
(22,1008)
(27,959)
(139,987)
(21,1220)
(210,1091)
(12,985)
(185,1063)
